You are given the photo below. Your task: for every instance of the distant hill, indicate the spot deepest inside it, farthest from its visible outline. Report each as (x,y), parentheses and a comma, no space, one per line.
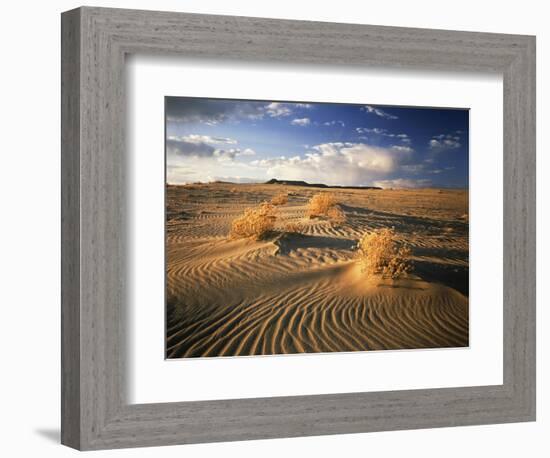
(315,185)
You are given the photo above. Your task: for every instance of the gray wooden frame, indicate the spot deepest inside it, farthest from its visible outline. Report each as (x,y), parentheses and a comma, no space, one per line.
(95,413)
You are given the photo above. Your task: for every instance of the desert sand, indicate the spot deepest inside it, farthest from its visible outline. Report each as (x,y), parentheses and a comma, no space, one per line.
(305,292)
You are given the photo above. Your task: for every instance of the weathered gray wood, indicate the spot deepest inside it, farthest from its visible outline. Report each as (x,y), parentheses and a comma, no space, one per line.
(96,414)
(70,229)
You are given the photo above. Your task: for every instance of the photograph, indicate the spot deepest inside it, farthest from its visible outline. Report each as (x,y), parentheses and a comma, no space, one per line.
(306,227)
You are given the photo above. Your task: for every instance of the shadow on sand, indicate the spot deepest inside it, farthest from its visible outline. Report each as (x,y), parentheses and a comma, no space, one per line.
(287,243)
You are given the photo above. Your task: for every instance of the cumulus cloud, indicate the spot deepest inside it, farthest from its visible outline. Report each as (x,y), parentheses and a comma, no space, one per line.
(211,111)
(247,152)
(232,153)
(378,112)
(184,170)
(402,148)
(402,183)
(333,163)
(215,111)
(301,122)
(201,146)
(344,163)
(176,146)
(444,142)
(277,109)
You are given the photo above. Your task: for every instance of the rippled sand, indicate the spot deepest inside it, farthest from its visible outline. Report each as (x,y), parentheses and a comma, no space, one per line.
(295,293)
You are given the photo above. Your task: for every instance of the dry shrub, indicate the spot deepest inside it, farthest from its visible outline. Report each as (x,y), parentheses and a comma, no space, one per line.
(380,253)
(255,223)
(320,204)
(336,215)
(280,199)
(293,228)
(325,204)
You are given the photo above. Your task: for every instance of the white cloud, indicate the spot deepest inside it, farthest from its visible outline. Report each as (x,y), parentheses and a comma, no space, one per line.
(212,112)
(177,146)
(335,163)
(195,138)
(378,112)
(444,142)
(278,109)
(404,138)
(402,148)
(232,153)
(301,122)
(281,109)
(402,183)
(226,155)
(342,163)
(334,123)
(232,179)
(374,130)
(201,146)
(248,152)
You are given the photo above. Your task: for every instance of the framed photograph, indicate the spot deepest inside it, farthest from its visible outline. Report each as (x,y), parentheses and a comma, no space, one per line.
(281,228)
(357,242)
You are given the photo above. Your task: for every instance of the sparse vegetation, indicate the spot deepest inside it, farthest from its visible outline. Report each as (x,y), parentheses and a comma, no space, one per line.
(320,204)
(280,199)
(325,204)
(293,228)
(336,215)
(255,223)
(380,253)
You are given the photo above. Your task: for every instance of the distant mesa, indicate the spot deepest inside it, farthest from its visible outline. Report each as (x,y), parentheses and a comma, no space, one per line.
(315,185)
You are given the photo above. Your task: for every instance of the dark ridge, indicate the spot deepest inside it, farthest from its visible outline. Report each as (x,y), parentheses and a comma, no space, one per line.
(316,185)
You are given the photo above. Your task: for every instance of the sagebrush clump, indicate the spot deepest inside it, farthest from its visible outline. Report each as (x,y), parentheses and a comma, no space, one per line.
(256,223)
(325,204)
(280,199)
(336,215)
(293,228)
(380,253)
(320,204)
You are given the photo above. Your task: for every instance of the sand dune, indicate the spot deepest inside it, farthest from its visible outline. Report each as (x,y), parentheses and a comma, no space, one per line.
(295,293)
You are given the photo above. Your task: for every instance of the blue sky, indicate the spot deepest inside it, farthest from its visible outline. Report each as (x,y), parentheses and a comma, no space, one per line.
(335,144)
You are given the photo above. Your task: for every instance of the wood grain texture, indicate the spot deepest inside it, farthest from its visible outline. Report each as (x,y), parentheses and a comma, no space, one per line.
(96,414)
(70,229)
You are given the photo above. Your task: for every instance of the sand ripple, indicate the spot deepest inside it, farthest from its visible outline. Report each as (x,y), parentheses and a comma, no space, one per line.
(304,293)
